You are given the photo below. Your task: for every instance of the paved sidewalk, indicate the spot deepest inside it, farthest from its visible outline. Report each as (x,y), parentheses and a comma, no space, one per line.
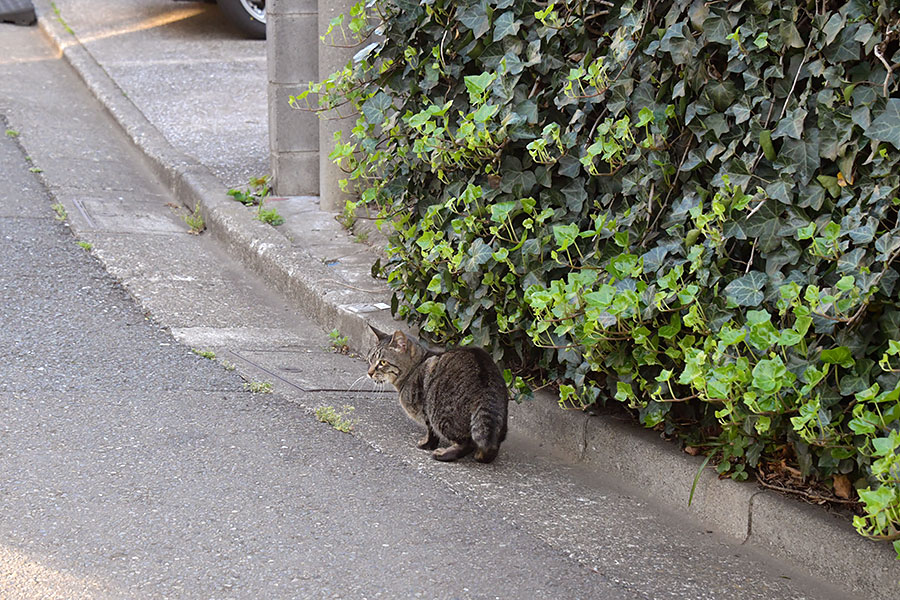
(214,139)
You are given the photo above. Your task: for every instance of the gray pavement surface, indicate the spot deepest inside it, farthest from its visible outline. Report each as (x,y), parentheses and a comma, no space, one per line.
(159,476)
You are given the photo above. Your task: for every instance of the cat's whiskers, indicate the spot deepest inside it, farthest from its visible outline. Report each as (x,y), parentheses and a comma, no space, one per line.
(359,380)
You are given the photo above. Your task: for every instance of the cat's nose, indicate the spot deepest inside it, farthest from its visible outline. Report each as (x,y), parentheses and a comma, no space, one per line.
(371,372)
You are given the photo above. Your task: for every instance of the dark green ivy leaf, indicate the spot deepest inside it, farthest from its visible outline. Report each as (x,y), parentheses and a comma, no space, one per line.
(802,156)
(717,29)
(374,108)
(518,183)
(679,43)
(506,24)
(478,254)
(885,126)
(747,290)
(765,226)
(791,125)
(475,18)
(569,167)
(575,195)
(780,190)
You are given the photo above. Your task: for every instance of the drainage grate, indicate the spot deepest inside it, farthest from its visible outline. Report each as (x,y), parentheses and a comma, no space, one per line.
(20,12)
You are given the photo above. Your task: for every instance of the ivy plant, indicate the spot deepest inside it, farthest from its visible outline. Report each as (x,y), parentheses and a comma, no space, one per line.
(688,207)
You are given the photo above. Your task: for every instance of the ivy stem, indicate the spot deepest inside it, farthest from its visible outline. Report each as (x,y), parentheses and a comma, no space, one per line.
(804,493)
(887,77)
(665,201)
(856,316)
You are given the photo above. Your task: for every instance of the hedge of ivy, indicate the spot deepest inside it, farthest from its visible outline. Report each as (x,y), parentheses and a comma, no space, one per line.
(688,206)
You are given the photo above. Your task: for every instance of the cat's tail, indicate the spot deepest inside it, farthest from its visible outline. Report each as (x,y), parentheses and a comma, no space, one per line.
(488,429)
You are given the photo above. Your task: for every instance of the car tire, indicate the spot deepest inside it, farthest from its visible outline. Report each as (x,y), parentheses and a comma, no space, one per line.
(248,15)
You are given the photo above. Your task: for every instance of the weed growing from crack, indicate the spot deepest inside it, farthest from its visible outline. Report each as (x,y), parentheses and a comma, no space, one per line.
(269,215)
(208,354)
(339,343)
(195,221)
(259,387)
(60,210)
(338,420)
(60,18)
(257,191)
(348,217)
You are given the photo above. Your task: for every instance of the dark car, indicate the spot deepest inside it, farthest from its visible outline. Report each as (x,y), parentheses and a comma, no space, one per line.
(248,15)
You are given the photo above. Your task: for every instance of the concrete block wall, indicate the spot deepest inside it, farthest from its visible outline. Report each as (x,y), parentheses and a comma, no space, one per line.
(301,141)
(292,31)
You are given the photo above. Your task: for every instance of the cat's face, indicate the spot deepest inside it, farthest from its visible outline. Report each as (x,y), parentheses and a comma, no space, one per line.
(389,359)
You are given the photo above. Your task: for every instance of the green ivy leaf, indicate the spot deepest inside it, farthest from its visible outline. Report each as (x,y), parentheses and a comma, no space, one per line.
(485,112)
(375,108)
(565,235)
(791,126)
(518,183)
(838,356)
(789,337)
(475,17)
(885,127)
(878,499)
(671,330)
(477,85)
(747,290)
(501,211)
(624,393)
(478,254)
(645,116)
(771,375)
(861,426)
(506,24)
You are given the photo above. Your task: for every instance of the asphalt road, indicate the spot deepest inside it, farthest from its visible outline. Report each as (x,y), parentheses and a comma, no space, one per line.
(132,468)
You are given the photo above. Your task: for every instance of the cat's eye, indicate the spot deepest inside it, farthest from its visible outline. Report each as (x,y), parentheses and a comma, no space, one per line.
(382,363)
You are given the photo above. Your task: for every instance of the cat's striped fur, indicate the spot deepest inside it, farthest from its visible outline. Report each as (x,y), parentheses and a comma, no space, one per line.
(458,395)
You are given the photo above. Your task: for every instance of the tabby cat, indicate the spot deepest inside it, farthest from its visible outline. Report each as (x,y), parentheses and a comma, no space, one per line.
(458,395)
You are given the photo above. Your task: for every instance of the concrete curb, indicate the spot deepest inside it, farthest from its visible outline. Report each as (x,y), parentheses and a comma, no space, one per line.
(821,543)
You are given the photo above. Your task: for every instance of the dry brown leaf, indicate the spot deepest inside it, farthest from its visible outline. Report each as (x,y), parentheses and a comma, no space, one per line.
(842,487)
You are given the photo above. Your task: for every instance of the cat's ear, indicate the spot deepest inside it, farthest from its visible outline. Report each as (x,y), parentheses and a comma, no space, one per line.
(379,334)
(399,341)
